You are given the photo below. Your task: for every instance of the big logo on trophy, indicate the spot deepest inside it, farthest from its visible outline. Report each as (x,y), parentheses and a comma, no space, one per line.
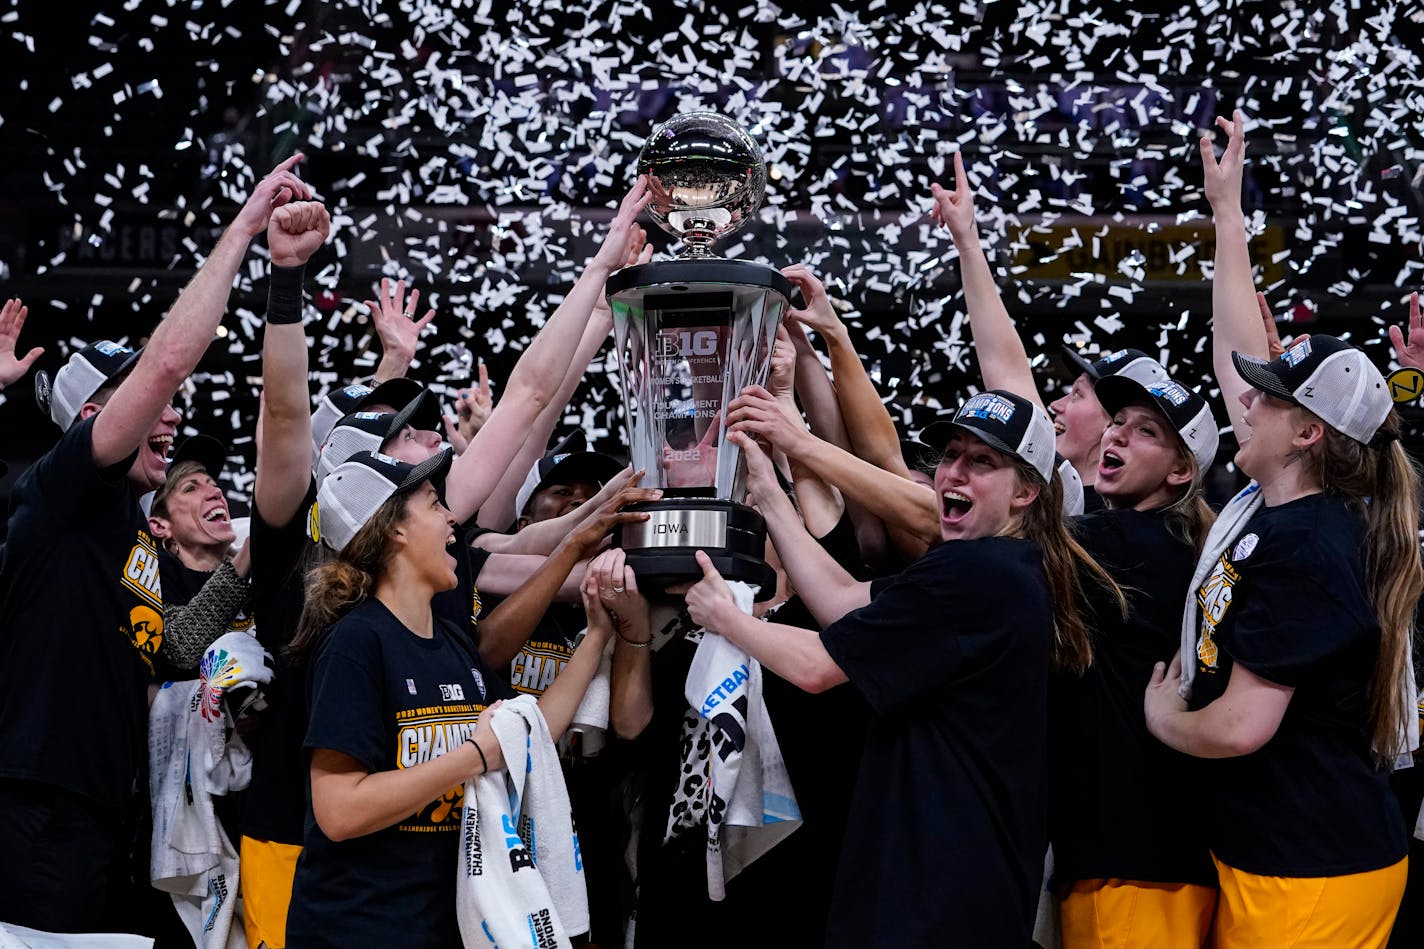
(691,333)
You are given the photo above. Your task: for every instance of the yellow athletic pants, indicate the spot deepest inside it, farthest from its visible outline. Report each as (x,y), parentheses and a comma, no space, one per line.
(265,873)
(1128,914)
(1355,911)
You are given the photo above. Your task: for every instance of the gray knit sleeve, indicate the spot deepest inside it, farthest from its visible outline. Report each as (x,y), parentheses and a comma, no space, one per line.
(189,629)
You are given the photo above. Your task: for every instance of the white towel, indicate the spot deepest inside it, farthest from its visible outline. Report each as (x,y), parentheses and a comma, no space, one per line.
(1228,524)
(20,937)
(1409,736)
(526,888)
(590,720)
(752,806)
(192,858)
(234,664)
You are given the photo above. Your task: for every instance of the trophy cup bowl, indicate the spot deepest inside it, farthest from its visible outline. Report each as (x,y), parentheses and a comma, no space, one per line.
(691,333)
(707,177)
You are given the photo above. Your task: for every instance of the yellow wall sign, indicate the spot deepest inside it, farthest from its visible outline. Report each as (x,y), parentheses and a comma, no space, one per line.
(1142,252)
(1406,385)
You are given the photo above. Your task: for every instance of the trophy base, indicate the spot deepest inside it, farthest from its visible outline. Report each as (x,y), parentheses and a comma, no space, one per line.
(662,550)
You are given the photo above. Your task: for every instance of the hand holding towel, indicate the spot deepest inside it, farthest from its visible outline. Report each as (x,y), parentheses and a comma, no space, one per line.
(520,879)
(750,804)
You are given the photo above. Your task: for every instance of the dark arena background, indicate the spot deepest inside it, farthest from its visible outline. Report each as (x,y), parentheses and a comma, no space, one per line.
(477,150)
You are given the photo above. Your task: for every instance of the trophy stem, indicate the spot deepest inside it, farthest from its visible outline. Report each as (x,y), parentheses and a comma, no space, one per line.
(696,244)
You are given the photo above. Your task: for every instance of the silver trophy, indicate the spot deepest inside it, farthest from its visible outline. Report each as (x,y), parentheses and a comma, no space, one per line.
(691,333)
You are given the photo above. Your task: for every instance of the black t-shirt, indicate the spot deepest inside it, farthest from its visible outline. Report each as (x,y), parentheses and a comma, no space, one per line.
(548,649)
(1288,600)
(1117,794)
(946,839)
(391,700)
(820,737)
(281,556)
(81,618)
(276,796)
(1093,503)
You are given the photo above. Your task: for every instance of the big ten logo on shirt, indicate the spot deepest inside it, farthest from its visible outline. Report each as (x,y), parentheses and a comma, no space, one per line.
(424,734)
(537,665)
(144,624)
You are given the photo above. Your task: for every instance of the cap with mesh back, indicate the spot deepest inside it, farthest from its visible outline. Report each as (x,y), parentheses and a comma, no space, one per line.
(1072,486)
(1132,363)
(1004,421)
(335,404)
(86,372)
(369,431)
(1188,413)
(564,465)
(355,490)
(1329,377)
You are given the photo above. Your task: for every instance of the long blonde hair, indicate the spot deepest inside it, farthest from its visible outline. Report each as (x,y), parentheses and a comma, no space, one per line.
(1067,564)
(341,583)
(1381,483)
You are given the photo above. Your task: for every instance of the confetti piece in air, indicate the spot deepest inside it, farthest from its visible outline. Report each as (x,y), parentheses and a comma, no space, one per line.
(479,156)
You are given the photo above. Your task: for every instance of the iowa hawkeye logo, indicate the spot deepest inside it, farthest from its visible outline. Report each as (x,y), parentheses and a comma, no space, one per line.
(145,621)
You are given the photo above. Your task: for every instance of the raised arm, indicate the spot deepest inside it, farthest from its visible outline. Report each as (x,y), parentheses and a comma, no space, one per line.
(1410,354)
(542,537)
(472,410)
(534,382)
(503,633)
(820,503)
(898,501)
(1003,362)
(397,328)
(1235,315)
(823,416)
(829,591)
(12,322)
(295,232)
(561,699)
(498,512)
(183,336)
(611,595)
(869,427)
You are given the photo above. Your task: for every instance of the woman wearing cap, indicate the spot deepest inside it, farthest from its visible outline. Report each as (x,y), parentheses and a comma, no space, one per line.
(952,656)
(1079,418)
(1124,875)
(205,586)
(1297,671)
(396,729)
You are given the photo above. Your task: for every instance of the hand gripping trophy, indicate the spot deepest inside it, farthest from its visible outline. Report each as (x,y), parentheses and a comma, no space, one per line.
(691,333)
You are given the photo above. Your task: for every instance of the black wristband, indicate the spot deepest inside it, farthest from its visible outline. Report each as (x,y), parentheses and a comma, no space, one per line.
(284,295)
